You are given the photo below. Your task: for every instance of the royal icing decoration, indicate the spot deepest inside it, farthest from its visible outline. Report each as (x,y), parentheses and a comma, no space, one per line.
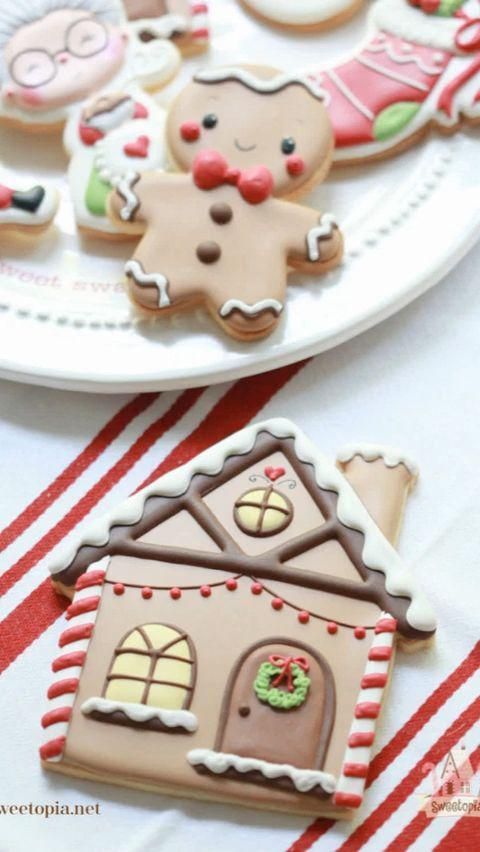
(264,537)
(31,209)
(303,14)
(419,66)
(70,62)
(185,22)
(237,168)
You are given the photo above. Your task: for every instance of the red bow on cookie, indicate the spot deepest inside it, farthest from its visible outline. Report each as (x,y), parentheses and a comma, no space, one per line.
(211,170)
(285,666)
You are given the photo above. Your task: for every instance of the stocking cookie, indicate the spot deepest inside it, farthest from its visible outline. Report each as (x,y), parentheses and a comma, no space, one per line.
(225,232)
(419,68)
(233,627)
(303,15)
(73,61)
(183,21)
(31,210)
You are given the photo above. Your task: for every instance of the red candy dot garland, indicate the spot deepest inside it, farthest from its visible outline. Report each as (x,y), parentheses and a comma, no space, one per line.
(359,633)
(190,131)
(256,588)
(147,593)
(303,616)
(118,589)
(277,603)
(175,594)
(231,584)
(205,591)
(332,628)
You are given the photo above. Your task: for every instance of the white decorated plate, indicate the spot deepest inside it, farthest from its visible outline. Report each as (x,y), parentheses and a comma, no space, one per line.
(65,320)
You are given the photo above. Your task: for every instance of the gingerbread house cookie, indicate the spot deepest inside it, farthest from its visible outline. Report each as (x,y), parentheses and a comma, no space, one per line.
(233,626)
(225,232)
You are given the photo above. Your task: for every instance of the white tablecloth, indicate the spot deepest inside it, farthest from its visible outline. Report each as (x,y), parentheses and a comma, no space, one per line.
(411,382)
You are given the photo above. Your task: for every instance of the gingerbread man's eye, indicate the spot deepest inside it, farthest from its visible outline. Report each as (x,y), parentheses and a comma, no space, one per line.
(288,145)
(210,121)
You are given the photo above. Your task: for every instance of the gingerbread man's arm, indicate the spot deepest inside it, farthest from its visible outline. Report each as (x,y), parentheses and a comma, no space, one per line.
(125,207)
(316,243)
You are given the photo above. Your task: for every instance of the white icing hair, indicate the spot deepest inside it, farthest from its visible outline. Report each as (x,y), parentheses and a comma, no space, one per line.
(15,14)
(261,85)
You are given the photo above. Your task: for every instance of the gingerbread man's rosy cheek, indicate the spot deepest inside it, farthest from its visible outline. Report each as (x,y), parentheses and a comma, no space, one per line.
(295,165)
(190,131)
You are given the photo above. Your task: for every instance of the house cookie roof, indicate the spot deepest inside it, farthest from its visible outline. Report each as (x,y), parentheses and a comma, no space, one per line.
(377,553)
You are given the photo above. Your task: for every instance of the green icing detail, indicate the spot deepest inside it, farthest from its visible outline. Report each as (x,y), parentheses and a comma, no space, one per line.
(393,119)
(448,8)
(281,699)
(96,194)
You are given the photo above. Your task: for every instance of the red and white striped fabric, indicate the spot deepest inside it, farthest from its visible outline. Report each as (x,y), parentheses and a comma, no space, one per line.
(65,457)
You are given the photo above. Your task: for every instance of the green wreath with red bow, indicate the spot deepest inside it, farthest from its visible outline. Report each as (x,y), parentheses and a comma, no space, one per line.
(287,671)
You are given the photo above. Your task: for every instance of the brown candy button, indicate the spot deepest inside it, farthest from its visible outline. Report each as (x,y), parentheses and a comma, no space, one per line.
(221,213)
(208,252)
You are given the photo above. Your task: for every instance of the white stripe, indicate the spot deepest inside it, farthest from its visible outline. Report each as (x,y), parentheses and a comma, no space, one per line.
(394,75)
(349,95)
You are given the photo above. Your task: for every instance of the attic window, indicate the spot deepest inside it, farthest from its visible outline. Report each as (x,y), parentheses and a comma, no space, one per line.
(263,511)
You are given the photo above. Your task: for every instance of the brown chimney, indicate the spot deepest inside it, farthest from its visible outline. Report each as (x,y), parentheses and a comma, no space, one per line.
(383,478)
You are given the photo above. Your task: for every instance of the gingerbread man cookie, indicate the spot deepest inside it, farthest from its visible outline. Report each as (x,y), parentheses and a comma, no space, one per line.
(303,15)
(185,22)
(225,232)
(74,61)
(418,68)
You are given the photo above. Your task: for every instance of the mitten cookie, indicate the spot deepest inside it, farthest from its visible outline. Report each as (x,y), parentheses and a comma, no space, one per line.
(226,231)
(419,68)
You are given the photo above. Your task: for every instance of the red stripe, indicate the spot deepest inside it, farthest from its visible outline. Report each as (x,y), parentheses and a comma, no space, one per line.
(463,837)
(40,609)
(63,687)
(386,625)
(375,679)
(66,661)
(90,578)
(79,465)
(347,800)
(407,785)
(82,606)
(60,714)
(233,411)
(54,748)
(400,741)
(361,738)
(73,634)
(421,821)
(355,770)
(98,491)
(380,653)
(367,710)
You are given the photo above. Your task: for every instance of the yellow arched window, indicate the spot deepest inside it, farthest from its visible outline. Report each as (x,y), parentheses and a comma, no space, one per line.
(153,665)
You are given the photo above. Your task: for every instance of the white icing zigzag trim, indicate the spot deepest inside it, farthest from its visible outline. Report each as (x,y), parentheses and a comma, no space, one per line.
(250,310)
(321,231)
(378,554)
(403,20)
(303,780)
(135,270)
(263,87)
(371,452)
(404,58)
(142,713)
(161,27)
(124,187)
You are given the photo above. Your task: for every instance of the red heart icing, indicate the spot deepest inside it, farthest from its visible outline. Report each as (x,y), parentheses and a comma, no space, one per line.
(138,148)
(274,473)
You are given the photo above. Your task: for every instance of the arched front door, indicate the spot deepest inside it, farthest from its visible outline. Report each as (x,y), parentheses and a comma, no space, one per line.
(251,727)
